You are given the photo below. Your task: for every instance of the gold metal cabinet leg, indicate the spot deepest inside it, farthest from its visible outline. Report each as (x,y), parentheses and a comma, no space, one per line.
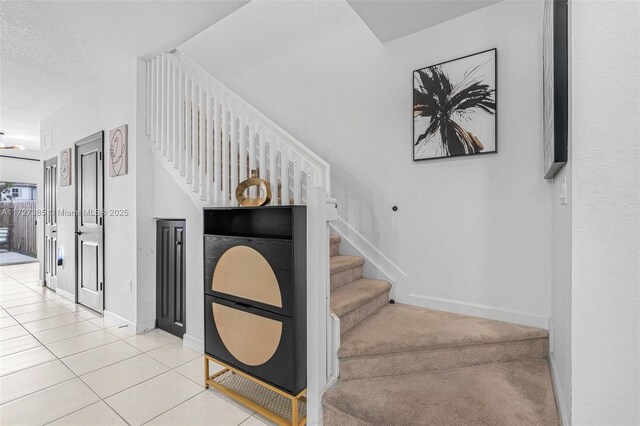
(276,418)
(294,411)
(206,372)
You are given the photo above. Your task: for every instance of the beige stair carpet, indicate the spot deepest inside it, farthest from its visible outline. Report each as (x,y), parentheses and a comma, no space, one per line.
(406,365)
(511,393)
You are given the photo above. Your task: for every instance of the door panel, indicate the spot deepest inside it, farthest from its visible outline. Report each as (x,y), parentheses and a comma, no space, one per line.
(170,276)
(89,261)
(50,222)
(89,222)
(89,199)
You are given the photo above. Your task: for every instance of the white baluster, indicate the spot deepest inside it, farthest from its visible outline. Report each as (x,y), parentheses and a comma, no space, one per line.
(252,154)
(233,163)
(181,119)
(167,108)
(273,169)
(209,147)
(158,92)
(217,146)
(262,152)
(176,114)
(193,159)
(148,93)
(152,113)
(172,110)
(202,141)
(284,176)
(225,154)
(242,120)
(163,100)
(297,181)
(188,119)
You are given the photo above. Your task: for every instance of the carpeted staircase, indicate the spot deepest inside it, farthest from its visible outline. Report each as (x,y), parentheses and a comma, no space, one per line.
(404,365)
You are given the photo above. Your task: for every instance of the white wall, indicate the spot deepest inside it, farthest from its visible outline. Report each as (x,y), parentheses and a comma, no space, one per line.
(606,213)
(18,166)
(472,234)
(107,104)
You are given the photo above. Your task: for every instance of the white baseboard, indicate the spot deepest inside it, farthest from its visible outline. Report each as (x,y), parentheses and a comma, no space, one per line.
(563,410)
(377,264)
(66,294)
(193,343)
(477,310)
(110,316)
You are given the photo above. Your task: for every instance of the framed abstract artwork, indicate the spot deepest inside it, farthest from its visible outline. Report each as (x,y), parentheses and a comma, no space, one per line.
(555,86)
(65,167)
(455,107)
(118,151)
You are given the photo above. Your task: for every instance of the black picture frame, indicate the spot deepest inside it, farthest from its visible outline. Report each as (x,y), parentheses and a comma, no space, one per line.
(495,150)
(555,87)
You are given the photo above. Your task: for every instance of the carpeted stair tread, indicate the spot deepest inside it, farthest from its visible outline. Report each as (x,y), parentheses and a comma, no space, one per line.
(518,392)
(343,263)
(334,239)
(348,297)
(404,328)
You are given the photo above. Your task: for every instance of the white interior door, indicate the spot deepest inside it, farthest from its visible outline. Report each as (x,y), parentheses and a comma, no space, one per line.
(89,222)
(50,222)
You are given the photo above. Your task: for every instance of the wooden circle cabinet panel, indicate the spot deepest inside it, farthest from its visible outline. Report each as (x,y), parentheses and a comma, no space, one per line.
(255,292)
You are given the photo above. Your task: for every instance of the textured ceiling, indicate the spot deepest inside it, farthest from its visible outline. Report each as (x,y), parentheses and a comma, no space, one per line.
(391,19)
(51,50)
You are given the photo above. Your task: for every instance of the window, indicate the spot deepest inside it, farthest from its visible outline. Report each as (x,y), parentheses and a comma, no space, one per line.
(15,192)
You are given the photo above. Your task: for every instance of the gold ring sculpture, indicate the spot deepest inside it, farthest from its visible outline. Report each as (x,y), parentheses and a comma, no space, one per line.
(254,180)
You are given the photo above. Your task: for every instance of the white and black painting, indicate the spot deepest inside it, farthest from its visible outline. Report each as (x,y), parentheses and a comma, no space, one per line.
(118,155)
(454,107)
(65,167)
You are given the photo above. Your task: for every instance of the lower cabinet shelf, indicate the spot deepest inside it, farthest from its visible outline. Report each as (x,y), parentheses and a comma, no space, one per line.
(281,408)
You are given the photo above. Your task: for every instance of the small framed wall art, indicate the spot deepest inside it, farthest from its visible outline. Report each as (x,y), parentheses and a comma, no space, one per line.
(65,167)
(118,151)
(454,107)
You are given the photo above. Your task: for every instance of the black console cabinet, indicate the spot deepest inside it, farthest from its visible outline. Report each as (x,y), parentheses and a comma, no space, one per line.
(255,279)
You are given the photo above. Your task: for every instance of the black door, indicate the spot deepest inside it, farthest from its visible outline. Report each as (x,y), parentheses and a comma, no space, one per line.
(170,276)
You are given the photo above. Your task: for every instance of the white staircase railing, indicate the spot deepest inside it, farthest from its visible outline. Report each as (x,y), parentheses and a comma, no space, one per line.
(214,138)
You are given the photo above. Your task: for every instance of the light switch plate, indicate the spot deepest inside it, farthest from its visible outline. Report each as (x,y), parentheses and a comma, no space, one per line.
(563,192)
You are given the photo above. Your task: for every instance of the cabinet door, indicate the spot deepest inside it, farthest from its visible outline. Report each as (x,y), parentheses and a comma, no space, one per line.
(263,344)
(252,271)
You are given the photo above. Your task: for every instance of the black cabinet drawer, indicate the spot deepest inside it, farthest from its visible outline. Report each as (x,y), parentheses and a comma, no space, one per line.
(260,343)
(252,271)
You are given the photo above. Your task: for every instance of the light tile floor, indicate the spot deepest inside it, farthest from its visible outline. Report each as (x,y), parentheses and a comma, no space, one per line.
(63,364)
